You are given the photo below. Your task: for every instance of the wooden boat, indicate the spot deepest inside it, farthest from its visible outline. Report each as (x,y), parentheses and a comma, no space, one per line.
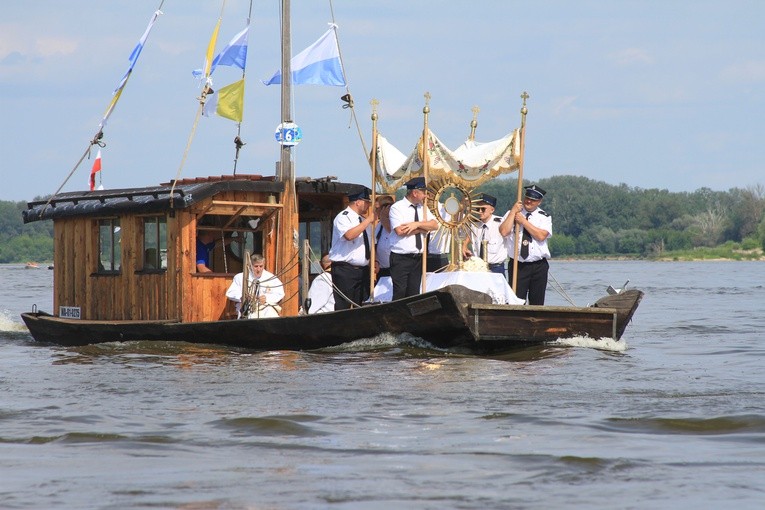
(31,265)
(125,268)
(454,318)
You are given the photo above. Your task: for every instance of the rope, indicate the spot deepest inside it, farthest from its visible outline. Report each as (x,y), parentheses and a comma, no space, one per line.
(559,289)
(223,244)
(348,97)
(334,289)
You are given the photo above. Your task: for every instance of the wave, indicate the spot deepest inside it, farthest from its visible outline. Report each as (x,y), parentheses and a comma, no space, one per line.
(602,344)
(721,425)
(9,325)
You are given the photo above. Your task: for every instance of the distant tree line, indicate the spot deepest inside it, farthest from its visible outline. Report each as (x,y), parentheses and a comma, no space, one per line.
(589,218)
(592,217)
(32,242)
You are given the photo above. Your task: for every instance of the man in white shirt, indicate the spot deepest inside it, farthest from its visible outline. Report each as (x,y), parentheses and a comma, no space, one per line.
(264,291)
(487,231)
(533,252)
(408,238)
(351,250)
(321,293)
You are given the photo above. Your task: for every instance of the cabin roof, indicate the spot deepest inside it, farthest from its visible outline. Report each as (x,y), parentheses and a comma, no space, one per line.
(157,199)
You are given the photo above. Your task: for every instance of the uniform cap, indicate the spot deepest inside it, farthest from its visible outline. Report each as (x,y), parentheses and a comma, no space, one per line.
(535,192)
(359,195)
(488,199)
(416,183)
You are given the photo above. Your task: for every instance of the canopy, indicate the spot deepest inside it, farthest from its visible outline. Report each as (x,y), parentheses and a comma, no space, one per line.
(470,165)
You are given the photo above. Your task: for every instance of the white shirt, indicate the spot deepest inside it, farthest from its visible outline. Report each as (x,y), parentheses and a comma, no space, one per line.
(384,289)
(497,250)
(401,212)
(267,285)
(321,294)
(343,250)
(537,250)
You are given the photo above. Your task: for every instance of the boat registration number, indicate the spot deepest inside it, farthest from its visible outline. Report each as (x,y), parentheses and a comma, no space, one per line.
(69,312)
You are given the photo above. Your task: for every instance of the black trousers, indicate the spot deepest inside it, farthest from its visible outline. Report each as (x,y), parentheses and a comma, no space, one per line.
(406,273)
(436,262)
(352,281)
(532,280)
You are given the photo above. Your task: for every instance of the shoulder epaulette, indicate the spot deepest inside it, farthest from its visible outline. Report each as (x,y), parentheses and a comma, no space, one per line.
(345,212)
(498,219)
(543,213)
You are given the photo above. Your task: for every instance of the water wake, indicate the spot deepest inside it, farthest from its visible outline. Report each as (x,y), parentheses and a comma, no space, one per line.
(603,344)
(7,324)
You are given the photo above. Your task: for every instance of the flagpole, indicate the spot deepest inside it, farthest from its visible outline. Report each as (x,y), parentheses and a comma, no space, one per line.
(425,165)
(98,137)
(206,89)
(238,142)
(522,142)
(373,165)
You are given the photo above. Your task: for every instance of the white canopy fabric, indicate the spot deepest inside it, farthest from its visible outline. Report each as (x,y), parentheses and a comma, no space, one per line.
(470,165)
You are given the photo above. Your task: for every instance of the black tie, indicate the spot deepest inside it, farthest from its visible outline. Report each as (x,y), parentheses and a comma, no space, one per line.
(366,241)
(483,234)
(417,237)
(526,241)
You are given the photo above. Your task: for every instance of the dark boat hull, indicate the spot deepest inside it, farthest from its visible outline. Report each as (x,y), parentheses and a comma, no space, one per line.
(452,318)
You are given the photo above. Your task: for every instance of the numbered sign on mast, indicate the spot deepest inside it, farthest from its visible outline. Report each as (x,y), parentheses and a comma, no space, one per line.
(288,133)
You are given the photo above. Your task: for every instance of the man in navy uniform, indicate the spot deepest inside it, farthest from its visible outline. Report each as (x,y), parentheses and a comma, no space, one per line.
(487,230)
(351,249)
(536,229)
(408,237)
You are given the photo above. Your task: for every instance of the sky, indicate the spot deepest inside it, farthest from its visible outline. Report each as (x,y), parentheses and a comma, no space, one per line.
(665,94)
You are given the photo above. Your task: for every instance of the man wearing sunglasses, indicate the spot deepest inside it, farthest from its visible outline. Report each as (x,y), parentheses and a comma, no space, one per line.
(486,240)
(536,229)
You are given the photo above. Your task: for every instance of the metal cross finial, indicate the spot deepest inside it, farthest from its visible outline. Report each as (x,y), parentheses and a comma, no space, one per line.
(474,122)
(426,108)
(524,96)
(374,102)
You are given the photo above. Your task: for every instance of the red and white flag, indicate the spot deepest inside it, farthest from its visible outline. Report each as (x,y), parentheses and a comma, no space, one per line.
(96,168)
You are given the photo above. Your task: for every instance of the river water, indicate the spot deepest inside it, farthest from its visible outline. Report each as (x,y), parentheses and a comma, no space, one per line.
(672,416)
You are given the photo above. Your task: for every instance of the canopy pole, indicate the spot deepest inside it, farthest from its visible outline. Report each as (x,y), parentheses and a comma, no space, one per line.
(425,158)
(474,122)
(373,165)
(522,137)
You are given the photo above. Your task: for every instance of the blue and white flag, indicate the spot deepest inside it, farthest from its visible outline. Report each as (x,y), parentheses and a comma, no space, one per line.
(319,64)
(133,59)
(234,54)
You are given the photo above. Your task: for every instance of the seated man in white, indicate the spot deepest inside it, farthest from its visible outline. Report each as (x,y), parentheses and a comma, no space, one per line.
(321,294)
(264,291)
(383,290)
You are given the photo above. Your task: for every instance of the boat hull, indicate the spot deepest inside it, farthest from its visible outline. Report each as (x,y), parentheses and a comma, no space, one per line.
(451,318)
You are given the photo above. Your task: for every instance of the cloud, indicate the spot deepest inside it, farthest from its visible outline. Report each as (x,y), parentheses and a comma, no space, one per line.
(17,47)
(631,56)
(48,46)
(752,71)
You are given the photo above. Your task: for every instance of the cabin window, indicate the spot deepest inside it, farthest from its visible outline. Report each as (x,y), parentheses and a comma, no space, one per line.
(228,238)
(154,243)
(109,245)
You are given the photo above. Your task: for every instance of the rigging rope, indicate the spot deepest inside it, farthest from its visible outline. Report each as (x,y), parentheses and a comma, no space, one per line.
(97,139)
(348,98)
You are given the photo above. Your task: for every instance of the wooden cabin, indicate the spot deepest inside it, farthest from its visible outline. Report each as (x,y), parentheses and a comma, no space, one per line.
(130,254)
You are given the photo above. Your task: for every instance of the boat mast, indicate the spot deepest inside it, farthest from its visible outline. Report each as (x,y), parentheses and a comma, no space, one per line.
(285,262)
(285,172)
